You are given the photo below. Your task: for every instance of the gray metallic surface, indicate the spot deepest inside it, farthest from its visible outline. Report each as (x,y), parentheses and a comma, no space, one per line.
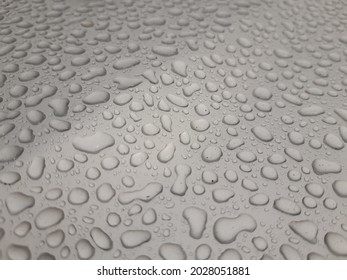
(173,129)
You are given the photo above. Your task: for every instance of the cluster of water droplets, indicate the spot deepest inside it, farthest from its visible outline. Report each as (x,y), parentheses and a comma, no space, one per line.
(173,129)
